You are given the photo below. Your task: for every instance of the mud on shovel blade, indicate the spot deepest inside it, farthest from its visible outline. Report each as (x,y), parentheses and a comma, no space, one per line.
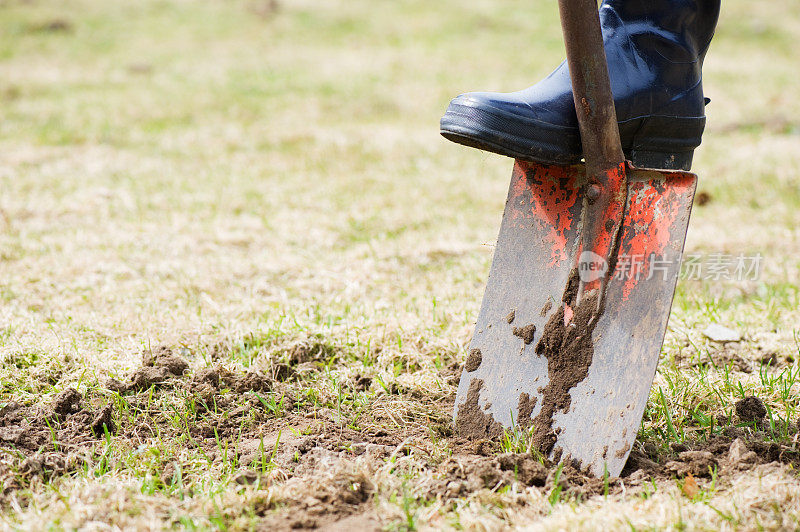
(578,297)
(585,403)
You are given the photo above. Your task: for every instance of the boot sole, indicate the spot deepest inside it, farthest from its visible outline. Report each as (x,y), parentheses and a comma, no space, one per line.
(663,142)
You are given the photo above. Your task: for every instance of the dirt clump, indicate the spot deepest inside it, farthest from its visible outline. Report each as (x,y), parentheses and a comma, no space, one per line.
(252,381)
(575,483)
(526,333)
(511,316)
(525,408)
(750,409)
(102,421)
(361,383)
(569,349)
(474,360)
(208,376)
(471,420)
(163,357)
(310,350)
(281,372)
(702,198)
(320,500)
(147,376)
(49,465)
(463,474)
(67,402)
(696,463)
(159,367)
(66,422)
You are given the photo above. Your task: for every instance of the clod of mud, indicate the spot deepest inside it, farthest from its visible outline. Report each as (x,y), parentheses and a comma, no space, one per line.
(64,424)
(751,409)
(474,360)
(471,420)
(67,402)
(208,376)
(362,383)
(281,372)
(147,376)
(49,465)
(102,421)
(576,483)
(251,381)
(525,408)
(461,475)
(696,463)
(511,316)
(310,350)
(163,357)
(702,198)
(569,350)
(322,500)
(159,367)
(526,333)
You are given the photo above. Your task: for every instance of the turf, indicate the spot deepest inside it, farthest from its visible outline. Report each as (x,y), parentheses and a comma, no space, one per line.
(259,188)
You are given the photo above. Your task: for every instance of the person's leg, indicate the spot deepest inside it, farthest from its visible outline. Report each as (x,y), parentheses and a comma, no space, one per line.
(655,51)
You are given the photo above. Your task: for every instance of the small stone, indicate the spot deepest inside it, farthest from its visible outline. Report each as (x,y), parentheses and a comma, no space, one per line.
(739,455)
(719,333)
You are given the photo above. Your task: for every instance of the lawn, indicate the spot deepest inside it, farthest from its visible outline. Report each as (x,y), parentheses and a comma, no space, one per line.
(239,270)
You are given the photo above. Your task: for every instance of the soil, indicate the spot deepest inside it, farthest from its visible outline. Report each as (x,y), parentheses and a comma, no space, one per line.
(525,408)
(511,316)
(325,469)
(471,420)
(526,333)
(474,360)
(569,350)
(47,435)
(750,409)
(702,198)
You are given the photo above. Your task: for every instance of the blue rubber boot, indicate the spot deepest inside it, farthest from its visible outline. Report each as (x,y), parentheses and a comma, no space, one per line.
(655,51)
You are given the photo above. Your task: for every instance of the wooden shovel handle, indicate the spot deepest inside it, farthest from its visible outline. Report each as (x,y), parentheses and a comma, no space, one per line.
(591,87)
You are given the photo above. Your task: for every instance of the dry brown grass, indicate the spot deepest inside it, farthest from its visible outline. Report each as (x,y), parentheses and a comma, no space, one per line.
(233,180)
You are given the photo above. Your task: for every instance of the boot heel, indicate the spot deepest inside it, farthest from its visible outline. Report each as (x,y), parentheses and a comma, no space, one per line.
(664,161)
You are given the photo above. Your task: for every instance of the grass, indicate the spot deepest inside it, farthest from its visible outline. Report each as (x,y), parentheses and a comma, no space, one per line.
(238,179)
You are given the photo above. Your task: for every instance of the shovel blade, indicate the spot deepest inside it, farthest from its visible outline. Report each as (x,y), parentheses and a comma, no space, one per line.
(504,378)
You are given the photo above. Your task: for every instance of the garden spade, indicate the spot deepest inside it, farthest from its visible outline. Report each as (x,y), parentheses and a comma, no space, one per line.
(580,288)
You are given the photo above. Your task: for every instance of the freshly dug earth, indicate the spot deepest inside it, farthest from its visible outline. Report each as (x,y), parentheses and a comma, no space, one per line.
(751,409)
(569,350)
(568,347)
(326,473)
